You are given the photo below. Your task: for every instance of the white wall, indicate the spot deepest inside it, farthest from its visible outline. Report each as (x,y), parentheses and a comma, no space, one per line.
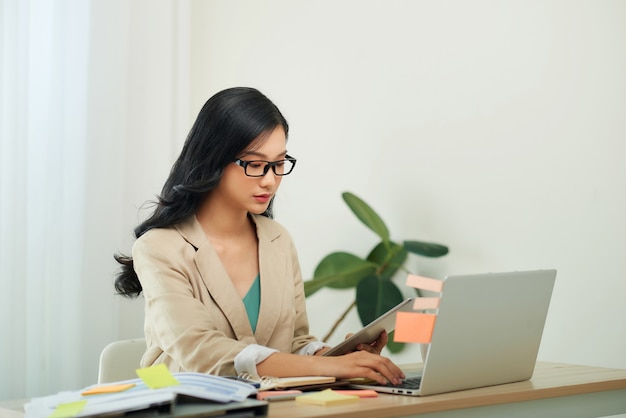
(496,128)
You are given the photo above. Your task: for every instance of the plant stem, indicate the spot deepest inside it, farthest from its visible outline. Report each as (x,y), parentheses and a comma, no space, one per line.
(339,320)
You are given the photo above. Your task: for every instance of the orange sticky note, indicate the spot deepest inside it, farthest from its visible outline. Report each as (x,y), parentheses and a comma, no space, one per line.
(98,390)
(425,303)
(412,327)
(327,397)
(424,283)
(361,393)
(156,377)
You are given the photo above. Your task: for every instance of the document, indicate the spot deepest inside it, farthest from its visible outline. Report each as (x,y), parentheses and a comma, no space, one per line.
(200,392)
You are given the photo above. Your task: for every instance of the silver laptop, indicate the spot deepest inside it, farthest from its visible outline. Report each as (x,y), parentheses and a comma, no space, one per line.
(487,332)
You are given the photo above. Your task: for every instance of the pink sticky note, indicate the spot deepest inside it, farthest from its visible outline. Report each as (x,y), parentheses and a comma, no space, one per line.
(414,327)
(286,394)
(424,283)
(425,303)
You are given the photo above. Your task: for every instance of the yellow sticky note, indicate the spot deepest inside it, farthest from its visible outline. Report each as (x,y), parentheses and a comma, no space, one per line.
(67,410)
(425,303)
(156,377)
(425,283)
(98,390)
(414,327)
(326,398)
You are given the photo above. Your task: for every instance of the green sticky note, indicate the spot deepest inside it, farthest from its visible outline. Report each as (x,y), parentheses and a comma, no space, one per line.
(156,377)
(67,410)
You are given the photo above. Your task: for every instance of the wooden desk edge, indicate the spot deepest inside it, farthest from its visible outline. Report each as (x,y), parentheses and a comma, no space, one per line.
(544,384)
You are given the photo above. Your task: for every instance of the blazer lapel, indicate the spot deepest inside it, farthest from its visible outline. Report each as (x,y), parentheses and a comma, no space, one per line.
(273,271)
(216,279)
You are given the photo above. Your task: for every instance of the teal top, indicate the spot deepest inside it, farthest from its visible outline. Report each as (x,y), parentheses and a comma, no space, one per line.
(252,302)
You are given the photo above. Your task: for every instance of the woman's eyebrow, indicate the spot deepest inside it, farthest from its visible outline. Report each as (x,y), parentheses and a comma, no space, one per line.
(261,155)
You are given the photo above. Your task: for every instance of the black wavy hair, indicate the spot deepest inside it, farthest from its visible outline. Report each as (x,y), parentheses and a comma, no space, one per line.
(226,126)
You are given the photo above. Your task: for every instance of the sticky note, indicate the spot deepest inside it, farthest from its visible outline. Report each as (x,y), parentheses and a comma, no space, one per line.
(156,377)
(425,303)
(326,398)
(361,393)
(66,410)
(424,283)
(282,394)
(98,390)
(412,327)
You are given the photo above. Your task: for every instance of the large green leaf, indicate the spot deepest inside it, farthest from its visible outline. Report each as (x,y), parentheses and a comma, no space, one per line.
(375,296)
(427,249)
(393,346)
(312,286)
(389,258)
(339,270)
(366,215)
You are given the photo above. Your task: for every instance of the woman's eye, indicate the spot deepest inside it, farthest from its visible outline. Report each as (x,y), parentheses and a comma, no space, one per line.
(254,164)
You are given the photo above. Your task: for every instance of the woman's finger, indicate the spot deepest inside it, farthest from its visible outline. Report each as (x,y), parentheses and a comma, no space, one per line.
(381,342)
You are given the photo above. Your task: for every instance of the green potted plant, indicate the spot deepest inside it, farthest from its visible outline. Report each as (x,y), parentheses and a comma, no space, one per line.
(372,276)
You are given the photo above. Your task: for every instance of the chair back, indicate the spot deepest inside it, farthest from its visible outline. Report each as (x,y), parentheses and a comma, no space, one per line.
(120,359)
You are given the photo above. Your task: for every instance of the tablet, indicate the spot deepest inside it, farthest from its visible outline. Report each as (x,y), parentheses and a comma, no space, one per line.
(385,322)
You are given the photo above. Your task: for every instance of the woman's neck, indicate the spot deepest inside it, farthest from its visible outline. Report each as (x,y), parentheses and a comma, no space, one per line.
(220,222)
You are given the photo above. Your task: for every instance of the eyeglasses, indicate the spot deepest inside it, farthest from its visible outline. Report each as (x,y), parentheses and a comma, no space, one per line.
(259,168)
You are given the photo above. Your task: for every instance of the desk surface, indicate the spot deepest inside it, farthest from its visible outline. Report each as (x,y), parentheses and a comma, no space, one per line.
(549,380)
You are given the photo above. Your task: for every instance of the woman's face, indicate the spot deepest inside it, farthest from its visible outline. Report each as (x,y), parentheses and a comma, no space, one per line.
(253,194)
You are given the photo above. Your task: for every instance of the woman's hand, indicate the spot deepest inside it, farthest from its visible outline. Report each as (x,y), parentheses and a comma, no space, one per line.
(357,364)
(366,365)
(375,346)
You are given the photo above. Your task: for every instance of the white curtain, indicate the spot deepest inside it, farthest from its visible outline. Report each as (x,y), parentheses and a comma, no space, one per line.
(94,103)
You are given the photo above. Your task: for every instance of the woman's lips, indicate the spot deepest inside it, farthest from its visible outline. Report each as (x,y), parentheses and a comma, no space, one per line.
(262,198)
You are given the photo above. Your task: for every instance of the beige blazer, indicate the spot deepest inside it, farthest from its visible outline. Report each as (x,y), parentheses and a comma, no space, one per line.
(194,317)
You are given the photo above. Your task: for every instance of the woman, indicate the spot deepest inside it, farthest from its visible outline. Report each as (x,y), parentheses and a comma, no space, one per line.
(221,279)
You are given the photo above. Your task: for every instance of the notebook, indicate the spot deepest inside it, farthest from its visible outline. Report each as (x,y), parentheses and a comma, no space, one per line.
(299,382)
(487,332)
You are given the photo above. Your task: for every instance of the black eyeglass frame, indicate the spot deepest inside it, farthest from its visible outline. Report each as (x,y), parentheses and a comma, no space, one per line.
(244,164)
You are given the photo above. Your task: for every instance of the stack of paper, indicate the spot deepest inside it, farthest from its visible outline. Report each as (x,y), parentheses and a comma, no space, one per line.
(157,390)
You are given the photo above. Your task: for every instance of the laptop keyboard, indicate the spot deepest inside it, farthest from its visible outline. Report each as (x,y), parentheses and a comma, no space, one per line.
(409,383)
